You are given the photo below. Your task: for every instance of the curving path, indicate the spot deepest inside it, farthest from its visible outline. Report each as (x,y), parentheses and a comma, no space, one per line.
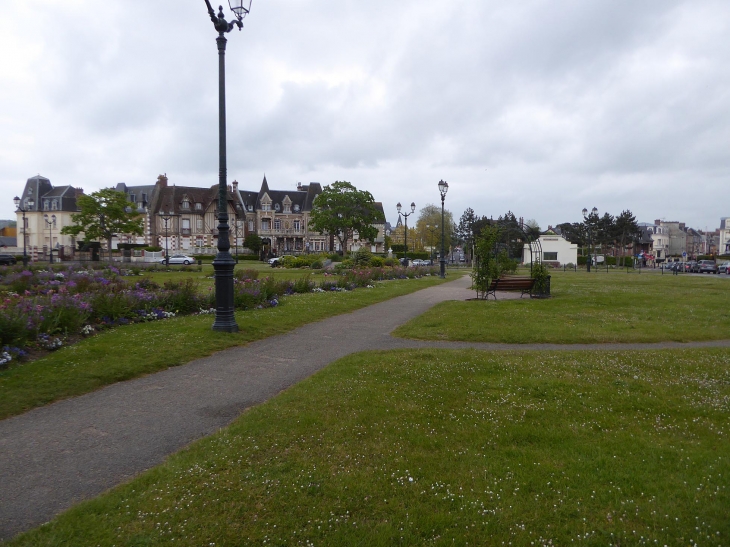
(55,456)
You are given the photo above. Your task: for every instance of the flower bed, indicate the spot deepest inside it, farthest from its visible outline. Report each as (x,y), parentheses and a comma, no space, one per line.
(40,309)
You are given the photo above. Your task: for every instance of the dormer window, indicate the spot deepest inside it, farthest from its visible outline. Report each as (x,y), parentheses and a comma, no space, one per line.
(198,206)
(186,204)
(54,205)
(250,208)
(131,197)
(45,205)
(296,208)
(266,207)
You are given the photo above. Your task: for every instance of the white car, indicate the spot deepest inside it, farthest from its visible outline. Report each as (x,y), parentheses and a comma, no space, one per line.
(179,259)
(419,262)
(274,262)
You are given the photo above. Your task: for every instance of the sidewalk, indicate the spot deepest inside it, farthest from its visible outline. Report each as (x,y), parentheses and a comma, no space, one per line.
(55,456)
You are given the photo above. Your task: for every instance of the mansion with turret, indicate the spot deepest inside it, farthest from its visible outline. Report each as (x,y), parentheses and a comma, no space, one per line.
(184,218)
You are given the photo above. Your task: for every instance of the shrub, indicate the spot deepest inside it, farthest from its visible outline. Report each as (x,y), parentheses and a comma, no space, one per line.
(377,262)
(362,257)
(303,284)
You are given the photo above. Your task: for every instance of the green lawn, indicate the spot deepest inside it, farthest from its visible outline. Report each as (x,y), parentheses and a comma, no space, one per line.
(144,348)
(600,307)
(448,448)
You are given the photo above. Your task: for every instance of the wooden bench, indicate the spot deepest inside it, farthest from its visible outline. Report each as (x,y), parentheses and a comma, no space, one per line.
(522,284)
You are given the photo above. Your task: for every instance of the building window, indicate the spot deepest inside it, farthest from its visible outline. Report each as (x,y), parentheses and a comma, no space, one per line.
(549,256)
(266,206)
(45,205)
(54,205)
(131,197)
(186,204)
(265,224)
(277,224)
(198,206)
(297,225)
(287,209)
(199,224)
(250,225)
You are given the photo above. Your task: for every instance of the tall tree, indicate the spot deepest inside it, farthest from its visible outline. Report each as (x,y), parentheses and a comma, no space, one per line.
(465,230)
(430,215)
(626,229)
(341,210)
(104,214)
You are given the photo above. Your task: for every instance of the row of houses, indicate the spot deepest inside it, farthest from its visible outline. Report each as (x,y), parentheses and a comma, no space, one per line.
(659,241)
(184,218)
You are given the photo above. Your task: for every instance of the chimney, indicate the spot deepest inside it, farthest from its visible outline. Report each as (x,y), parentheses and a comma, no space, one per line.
(79,191)
(235,186)
(299,185)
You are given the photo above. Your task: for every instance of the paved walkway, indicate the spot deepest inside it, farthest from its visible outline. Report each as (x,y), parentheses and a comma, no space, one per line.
(55,456)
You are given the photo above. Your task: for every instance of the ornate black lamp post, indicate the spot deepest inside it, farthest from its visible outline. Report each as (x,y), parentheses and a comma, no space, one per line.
(50,223)
(431,230)
(223,263)
(594,212)
(29,204)
(166,219)
(405,241)
(443,188)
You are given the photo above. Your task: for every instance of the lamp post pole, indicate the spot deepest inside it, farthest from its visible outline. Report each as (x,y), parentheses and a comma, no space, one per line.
(223,263)
(443,188)
(50,223)
(28,206)
(166,219)
(405,240)
(594,212)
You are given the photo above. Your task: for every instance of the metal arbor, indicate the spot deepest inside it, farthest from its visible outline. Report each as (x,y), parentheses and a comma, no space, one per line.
(511,240)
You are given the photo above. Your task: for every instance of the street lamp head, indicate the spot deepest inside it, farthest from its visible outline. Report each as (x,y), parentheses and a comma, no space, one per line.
(443,187)
(398,207)
(16,200)
(413,207)
(594,211)
(585,211)
(240,7)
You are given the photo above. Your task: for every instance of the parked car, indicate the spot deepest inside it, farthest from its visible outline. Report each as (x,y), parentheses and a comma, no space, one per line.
(707,266)
(724,268)
(419,262)
(179,259)
(8,260)
(276,261)
(690,266)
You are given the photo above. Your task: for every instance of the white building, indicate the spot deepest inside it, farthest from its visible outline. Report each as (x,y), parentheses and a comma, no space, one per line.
(555,249)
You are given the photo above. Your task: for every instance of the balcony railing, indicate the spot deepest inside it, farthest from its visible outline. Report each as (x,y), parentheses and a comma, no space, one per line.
(185,231)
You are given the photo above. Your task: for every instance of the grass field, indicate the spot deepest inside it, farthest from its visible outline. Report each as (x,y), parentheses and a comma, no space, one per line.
(614,307)
(448,448)
(143,348)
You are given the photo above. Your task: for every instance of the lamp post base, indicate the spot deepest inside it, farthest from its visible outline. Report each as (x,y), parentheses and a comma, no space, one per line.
(443,269)
(225,320)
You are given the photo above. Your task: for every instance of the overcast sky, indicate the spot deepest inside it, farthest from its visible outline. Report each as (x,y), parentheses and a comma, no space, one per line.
(542,107)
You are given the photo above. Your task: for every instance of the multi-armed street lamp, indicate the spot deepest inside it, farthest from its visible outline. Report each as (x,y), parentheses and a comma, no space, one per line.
(223,263)
(431,230)
(50,222)
(28,207)
(405,241)
(443,188)
(594,212)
